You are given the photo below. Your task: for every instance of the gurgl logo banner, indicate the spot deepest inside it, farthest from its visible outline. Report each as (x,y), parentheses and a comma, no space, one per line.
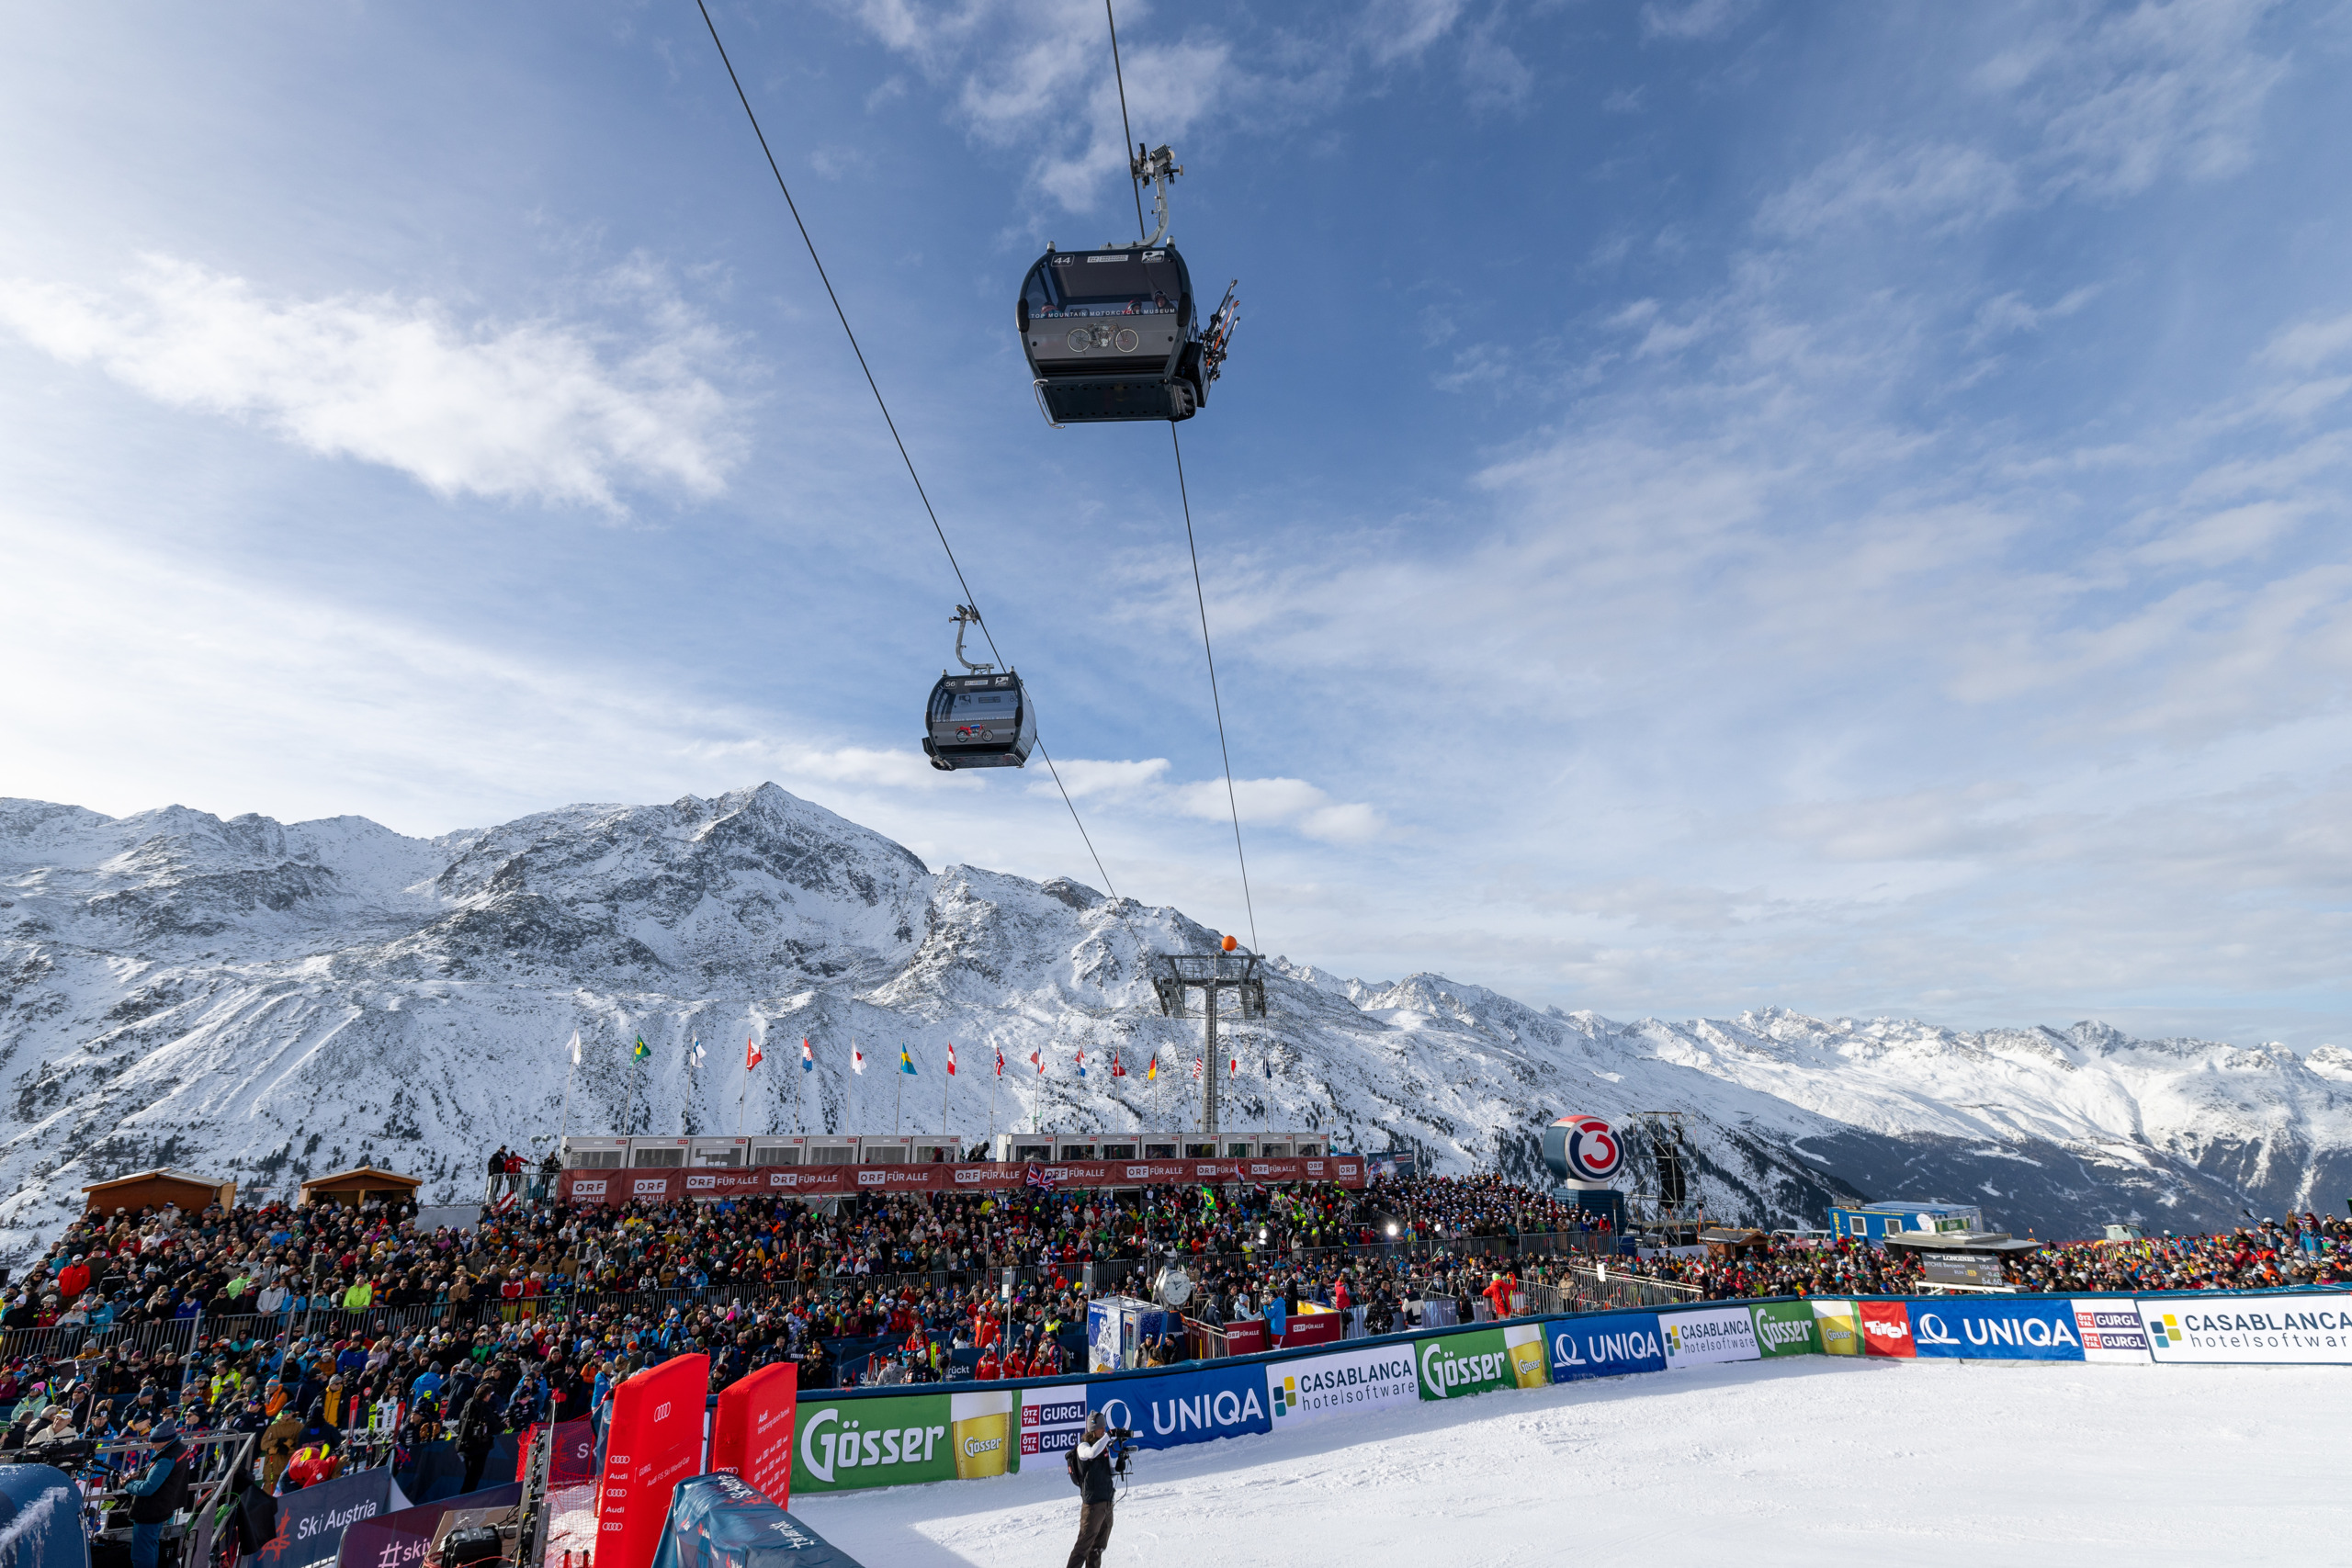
(1975,1329)
(1185,1408)
(1605,1347)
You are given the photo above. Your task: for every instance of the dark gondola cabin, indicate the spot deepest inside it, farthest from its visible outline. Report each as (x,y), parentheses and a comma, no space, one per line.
(979,721)
(1112,336)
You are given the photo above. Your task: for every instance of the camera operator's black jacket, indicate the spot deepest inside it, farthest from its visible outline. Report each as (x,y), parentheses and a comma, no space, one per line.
(1095,1484)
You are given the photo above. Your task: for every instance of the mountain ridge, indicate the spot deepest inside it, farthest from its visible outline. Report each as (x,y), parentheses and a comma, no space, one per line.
(274,999)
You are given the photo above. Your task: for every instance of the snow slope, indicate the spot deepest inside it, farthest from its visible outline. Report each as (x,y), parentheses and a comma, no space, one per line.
(270,1001)
(1792,1464)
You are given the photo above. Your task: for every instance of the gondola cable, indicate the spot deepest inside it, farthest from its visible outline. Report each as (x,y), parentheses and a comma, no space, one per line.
(1126,130)
(970,597)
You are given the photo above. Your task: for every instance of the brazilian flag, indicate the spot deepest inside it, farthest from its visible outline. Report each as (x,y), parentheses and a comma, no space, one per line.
(640,1050)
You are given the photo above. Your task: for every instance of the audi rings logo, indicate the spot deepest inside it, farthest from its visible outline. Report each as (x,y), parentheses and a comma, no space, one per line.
(1594,1152)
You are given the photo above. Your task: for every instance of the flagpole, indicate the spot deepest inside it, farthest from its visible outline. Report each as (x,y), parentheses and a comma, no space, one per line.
(943,1097)
(629,1092)
(563,1124)
(899,1097)
(800,1112)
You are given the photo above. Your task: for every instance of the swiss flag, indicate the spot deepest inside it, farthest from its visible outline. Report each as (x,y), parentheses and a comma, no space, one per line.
(752,1057)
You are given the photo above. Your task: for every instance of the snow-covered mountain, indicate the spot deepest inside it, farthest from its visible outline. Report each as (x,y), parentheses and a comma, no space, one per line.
(270,1001)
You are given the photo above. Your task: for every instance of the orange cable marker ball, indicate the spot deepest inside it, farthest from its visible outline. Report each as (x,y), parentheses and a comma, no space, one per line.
(1230,944)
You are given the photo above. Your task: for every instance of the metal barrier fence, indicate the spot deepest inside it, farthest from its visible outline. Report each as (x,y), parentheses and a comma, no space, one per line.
(1591,1291)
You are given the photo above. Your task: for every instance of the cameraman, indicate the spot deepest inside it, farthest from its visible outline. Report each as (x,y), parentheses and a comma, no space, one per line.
(1092,1462)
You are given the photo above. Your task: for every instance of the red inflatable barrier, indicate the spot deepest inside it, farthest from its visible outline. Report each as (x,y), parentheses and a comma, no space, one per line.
(751,1435)
(833,1180)
(656,1441)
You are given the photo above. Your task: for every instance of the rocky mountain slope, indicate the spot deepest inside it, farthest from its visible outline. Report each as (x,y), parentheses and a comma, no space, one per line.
(270,1001)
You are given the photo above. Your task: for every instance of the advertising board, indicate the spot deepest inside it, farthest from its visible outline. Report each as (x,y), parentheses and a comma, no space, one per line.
(833,1180)
(2309,1329)
(1981,1328)
(1839,1327)
(1786,1328)
(751,1432)
(1483,1361)
(654,1441)
(1052,1419)
(843,1445)
(1605,1347)
(311,1522)
(1348,1382)
(1708,1336)
(1886,1329)
(2111,1329)
(1169,1409)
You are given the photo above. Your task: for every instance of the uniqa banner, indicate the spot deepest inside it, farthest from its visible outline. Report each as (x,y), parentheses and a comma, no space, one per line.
(2111,1329)
(1170,1409)
(2296,1328)
(1978,1328)
(1706,1336)
(1786,1328)
(1350,1382)
(849,1444)
(1482,1360)
(654,1441)
(1605,1347)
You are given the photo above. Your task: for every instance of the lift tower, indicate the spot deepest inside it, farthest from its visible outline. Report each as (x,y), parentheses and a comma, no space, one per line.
(1175,974)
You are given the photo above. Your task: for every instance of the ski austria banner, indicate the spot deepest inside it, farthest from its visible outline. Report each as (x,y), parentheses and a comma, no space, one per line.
(844,1445)
(1839,1329)
(2111,1329)
(1605,1347)
(717,1521)
(1786,1328)
(399,1539)
(1350,1383)
(311,1522)
(1170,1409)
(1981,1328)
(751,1432)
(1484,1360)
(654,1442)
(2299,1328)
(1707,1337)
(1052,1419)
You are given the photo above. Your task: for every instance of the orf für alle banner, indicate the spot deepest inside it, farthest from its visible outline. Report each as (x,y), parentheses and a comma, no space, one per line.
(1348,1382)
(655,1441)
(751,1432)
(633,1185)
(2298,1328)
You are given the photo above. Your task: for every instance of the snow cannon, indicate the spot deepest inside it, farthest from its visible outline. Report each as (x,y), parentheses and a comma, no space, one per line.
(1587,1154)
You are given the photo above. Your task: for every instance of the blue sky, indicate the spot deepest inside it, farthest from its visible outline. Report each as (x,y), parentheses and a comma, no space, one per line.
(1714,504)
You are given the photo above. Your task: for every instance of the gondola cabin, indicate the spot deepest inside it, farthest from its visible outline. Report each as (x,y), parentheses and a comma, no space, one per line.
(1112,336)
(979,721)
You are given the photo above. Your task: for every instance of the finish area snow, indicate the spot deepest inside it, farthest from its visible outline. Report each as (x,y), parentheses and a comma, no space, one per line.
(1807,1462)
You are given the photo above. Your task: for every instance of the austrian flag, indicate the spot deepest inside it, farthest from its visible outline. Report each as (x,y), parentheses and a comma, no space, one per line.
(751,1055)
(951,1058)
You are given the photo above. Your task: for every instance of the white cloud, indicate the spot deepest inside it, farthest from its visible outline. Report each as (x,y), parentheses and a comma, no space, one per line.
(541,410)
(1085,778)
(1693,19)
(1283,802)
(2307,345)
(1398,29)
(1943,185)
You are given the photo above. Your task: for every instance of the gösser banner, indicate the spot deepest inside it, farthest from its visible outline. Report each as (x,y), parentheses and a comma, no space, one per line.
(1169,1409)
(1700,1338)
(2296,1328)
(1786,1328)
(1604,1347)
(832,1181)
(854,1443)
(1483,1360)
(1840,1330)
(1975,1328)
(1348,1383)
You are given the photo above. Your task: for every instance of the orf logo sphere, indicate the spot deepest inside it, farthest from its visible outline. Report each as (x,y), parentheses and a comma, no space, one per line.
(1595,1152)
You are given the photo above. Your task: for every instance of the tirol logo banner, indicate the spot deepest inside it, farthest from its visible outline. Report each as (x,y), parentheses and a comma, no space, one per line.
(1605,1347)
(2111,1329)
(654,1441)
(1170,1409)
(1701,1339)
(1839,1327)
(848,1444)
(1348,1383)
(2295,1328)
(1886,1328)
(1052,1418)
(1975,1328)
(1482,1360)
(1786,1328)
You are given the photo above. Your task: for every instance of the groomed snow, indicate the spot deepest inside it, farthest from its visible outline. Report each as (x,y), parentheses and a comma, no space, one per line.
(1806,1461)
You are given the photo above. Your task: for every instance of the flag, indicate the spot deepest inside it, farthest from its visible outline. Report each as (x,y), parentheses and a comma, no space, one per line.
(999,1061)
(1037,1062)
(807,1056)
(640,1050)
(951,1058)
(695,1053)
(575,1047)
(1081,1061)
(1197,1069)
(906,1062)
(1119,1067)
(1270,1063)
(1151,1073)
(856,1058)
(754,1055)
(1233,1069)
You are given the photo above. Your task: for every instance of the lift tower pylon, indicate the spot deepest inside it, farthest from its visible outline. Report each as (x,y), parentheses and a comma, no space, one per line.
(1176,975)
